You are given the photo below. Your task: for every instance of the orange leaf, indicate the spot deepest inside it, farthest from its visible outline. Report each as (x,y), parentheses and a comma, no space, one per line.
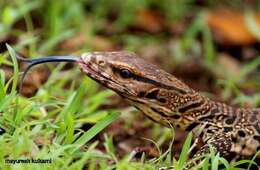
(229,27)
(149,21)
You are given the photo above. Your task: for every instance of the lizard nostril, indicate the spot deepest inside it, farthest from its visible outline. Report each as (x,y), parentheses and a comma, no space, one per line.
(87,57)
(101,62)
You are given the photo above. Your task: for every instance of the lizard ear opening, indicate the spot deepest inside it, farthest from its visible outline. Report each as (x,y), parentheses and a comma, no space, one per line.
(33,62)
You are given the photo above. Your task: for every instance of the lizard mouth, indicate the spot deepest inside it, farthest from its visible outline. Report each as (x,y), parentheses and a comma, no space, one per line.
(92,73)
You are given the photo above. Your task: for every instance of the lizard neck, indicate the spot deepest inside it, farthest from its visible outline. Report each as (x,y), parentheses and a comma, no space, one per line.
(180,110)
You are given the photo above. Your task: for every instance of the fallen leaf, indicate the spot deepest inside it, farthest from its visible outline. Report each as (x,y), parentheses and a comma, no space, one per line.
(149,21)
(229,27)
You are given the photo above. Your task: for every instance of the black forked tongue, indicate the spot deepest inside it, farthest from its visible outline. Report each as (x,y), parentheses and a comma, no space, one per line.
(33,62)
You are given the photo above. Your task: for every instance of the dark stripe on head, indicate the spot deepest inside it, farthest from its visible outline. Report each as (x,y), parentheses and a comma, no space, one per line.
(152,94)
(162,100)
(207,117)
(151,118)
(159,112)
(148,116)
(158,84)
(192,126)
(175,116)
(150,81)
(190,106)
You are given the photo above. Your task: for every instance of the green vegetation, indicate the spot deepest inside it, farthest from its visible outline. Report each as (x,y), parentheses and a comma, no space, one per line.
(48,124)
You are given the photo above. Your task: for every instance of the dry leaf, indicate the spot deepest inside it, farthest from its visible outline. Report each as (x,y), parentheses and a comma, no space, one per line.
(149,21)
(229,27)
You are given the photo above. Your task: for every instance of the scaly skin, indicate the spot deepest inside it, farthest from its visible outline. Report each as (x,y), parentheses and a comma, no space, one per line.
(166,100)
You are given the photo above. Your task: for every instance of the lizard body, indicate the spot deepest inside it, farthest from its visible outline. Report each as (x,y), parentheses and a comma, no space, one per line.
(168,101)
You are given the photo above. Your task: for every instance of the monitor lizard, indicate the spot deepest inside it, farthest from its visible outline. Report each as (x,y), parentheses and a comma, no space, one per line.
(165,99)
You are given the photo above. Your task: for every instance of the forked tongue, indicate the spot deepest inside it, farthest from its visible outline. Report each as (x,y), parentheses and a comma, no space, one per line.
(33,62)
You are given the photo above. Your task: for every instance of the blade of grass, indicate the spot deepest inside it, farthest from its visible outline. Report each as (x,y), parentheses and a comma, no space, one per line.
(184,152)
(70,128)
(252,24)
(191,33)
(241,162)
(87,155)
(71,107)
(215,162)
(249,68)
(206,164)
(209,51)
(253,160)
(16,69)
(14,80)
(2,82)
(110,148)
(225,163)
(93,131)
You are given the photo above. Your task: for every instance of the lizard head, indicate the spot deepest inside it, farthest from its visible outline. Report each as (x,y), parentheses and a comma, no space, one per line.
(131,76)
(146,86)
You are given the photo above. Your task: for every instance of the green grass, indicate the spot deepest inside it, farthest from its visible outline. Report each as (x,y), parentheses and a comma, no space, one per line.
(60,140)
(48,125)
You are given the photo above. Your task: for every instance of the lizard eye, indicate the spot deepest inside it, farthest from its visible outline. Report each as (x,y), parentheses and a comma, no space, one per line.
(125,73)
